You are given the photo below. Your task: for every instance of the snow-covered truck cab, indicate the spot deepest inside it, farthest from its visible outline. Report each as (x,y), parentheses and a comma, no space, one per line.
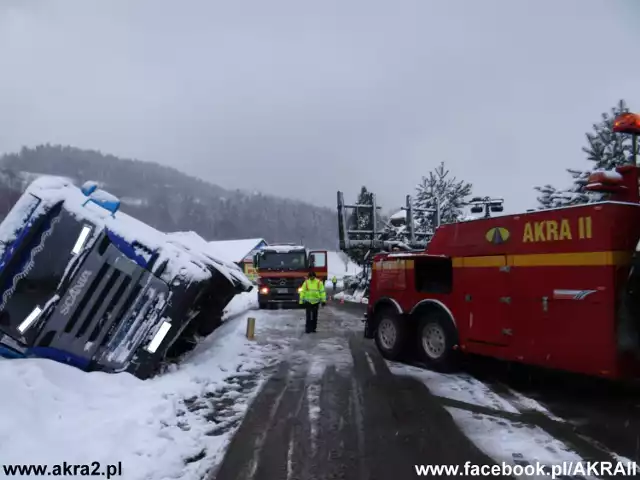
(85,284)
(206,307)
(282,269)
(556,288)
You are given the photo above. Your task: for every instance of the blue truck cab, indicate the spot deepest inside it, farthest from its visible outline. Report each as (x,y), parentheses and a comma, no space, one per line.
(85,284)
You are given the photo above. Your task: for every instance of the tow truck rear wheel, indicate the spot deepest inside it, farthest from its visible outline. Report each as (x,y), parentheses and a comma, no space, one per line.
(436,341)
(390,334)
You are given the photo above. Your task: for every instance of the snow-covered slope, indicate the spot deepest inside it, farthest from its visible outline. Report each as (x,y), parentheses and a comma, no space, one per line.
(54,412)
(338,267)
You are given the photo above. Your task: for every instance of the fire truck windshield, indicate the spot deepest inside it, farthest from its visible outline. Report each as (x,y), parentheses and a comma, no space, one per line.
(280,260)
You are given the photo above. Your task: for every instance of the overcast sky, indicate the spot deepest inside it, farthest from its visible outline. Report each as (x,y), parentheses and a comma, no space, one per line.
(301,98)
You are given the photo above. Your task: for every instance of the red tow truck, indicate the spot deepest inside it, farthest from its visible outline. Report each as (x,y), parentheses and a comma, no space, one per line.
(281,271)
(557,288)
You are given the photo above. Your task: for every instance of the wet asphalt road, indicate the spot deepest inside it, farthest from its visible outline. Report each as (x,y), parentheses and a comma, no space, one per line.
(600,415)
(333,410)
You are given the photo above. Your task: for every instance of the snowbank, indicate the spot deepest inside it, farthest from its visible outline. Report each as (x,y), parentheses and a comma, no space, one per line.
(174,426)
(357,297)
(240,304)
(502,439)
(339,265)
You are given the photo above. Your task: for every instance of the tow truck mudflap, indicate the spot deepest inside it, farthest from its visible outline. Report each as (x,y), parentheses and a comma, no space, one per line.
(368,327)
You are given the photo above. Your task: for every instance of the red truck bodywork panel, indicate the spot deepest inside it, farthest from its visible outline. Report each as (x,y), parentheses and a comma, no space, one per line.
(540,288)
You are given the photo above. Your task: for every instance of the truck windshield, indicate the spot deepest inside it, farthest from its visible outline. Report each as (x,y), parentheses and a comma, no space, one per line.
(32,276)
(277,260)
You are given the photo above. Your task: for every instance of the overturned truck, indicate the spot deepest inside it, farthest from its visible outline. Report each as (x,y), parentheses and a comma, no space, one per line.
(85,284)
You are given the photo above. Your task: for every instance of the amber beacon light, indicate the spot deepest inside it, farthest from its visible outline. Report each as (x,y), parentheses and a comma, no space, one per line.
(629,123)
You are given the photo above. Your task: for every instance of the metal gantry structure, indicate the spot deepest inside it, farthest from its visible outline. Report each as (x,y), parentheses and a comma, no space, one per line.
(417,240)
(375,240)
(486,205)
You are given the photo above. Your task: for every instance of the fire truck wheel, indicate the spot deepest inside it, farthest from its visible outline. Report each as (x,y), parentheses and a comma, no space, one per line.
(436,339)
(390,335)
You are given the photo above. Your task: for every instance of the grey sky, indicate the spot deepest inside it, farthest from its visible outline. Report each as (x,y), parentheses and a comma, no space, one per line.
(301,99)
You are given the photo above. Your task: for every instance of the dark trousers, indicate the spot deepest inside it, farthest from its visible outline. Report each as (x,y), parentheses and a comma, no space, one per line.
(312,317)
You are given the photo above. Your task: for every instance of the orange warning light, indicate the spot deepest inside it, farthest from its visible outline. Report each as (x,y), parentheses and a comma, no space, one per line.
(605,178)
(627,123)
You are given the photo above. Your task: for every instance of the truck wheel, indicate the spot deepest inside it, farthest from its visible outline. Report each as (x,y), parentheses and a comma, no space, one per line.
(390,335)
(436,339)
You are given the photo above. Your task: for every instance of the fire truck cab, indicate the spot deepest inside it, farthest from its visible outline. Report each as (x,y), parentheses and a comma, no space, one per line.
(558,288)
(281,271)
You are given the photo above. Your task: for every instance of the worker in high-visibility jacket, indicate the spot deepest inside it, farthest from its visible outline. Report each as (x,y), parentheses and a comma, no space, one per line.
(312,295)
(334,280)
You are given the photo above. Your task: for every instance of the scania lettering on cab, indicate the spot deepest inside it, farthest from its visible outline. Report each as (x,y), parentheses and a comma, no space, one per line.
(556,288)
(281,271)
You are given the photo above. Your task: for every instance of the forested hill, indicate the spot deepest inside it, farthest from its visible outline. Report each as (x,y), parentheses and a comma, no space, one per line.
(173,201)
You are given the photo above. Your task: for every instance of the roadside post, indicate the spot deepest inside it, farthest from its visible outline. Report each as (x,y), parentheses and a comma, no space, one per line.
(251,328)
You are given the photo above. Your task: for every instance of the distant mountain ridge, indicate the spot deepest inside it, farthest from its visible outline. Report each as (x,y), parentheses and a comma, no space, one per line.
(171,200)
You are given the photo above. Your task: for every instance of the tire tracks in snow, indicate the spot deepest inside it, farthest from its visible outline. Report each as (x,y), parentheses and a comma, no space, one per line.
(333,409)
(508,410)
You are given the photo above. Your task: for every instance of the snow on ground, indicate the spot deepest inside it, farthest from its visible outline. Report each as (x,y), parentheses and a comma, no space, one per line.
(511,442)
(240,304)
(502,439)
(461,387)
(357,297)
(337,267)
(173,426)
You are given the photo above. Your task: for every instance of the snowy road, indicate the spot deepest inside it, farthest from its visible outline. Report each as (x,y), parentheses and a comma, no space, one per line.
(291,406)
(334,410)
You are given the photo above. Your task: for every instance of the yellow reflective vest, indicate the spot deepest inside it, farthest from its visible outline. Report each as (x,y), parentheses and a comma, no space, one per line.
(313,291)
(334,280)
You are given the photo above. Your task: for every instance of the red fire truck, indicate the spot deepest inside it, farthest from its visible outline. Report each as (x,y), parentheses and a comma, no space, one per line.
(281,271)
(557,288)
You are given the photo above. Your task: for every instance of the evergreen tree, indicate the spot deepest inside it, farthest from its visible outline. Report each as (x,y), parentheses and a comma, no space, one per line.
(450,193)
(605,149)
(395,228)
(169,200)
(361,219)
